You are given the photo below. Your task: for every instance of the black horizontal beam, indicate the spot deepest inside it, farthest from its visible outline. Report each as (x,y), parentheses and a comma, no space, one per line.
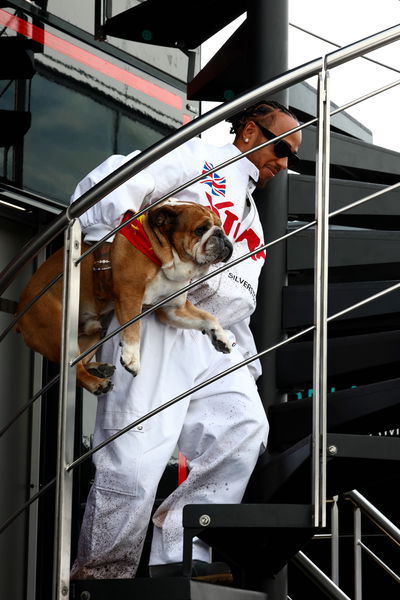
(380,212)
(298,302)
(354,359)
(350,153)
(365,409)
(347,247)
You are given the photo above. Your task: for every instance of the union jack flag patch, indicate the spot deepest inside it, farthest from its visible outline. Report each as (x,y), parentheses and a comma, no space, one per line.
(216,183)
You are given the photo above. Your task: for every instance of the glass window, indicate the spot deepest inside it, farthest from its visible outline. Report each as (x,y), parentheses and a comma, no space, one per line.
(74,128)
(133,134)
(70,134)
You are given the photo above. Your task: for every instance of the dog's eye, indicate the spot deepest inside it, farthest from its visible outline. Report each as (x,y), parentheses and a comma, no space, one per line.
(200,230)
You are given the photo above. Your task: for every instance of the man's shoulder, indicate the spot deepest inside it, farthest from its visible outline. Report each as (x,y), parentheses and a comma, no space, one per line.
(205,149)
(110,164)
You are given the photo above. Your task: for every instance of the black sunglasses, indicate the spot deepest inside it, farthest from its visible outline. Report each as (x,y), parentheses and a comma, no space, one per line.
(281,148)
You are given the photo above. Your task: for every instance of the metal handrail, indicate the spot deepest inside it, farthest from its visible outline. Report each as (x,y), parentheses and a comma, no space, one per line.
(29,403)
(361,504)
(302,561)
(319,37)
(198,178)
(329,585)
(27,504)
(298,230)
(188,131)
(28,306)
(379,561)
(374,515)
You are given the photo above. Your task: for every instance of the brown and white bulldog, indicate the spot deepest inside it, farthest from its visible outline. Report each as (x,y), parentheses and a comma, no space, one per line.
(152,257)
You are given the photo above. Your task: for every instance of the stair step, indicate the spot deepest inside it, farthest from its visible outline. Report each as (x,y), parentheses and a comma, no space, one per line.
(352,360)
(367,409)
(352,159)
(359,460)
(174,588)
(298,303)
(347,248)
(382,212)
(264,537)
(258,538)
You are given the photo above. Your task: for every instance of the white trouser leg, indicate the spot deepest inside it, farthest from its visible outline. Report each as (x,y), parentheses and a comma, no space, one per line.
(224,432)
(129,469)
(221,434)
(119,506)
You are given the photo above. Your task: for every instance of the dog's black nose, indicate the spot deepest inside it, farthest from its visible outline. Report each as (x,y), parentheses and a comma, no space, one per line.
(228,247)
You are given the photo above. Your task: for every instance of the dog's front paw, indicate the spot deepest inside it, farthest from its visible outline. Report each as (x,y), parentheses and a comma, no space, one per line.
(130,359)
(220,340)
(103,370)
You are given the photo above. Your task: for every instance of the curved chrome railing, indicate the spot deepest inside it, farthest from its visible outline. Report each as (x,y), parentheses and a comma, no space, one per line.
(190,130)
(68,221)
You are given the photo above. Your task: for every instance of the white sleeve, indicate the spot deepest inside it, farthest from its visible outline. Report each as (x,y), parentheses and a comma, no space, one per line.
(104,216)
(151,184)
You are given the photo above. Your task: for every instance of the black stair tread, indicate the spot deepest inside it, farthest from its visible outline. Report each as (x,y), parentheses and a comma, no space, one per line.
(367,409)
(347,247)
(144,588)
(352,359)
(253,536)
(380,212)
(247,516)
(360,459)
(352,158)
(298,301)
(146,22)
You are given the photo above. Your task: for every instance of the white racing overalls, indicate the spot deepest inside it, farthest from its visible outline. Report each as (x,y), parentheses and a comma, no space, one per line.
(222,428)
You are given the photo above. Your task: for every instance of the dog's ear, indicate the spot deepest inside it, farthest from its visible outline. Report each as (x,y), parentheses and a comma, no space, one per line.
(163,216)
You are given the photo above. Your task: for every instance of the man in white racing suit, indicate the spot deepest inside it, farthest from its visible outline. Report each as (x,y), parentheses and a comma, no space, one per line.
(222,428)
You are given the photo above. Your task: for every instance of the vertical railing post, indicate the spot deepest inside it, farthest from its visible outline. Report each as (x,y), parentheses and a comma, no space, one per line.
(335,541)
(320,304)
(66,420)
(357,555)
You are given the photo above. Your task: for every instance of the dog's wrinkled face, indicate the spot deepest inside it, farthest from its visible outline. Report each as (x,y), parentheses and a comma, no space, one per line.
(193,230)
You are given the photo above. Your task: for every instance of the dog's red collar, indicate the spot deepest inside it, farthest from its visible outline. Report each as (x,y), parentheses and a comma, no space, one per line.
(135,233)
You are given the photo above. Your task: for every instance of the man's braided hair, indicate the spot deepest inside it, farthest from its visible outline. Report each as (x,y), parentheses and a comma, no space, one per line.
(261,108)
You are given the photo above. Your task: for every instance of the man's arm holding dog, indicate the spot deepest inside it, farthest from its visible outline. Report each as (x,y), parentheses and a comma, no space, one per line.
(148,186)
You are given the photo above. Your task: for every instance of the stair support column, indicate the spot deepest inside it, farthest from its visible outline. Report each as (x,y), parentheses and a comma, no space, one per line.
(268,57)
(321,245)
(66,419)
(357,555)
